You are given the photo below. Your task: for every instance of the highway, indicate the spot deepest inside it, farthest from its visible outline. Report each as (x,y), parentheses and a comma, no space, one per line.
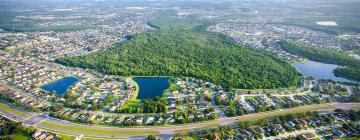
(103,131)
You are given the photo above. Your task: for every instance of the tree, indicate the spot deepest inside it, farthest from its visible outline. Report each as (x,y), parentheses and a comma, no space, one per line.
(218,100)
(339,110)
(151,137)
(274,133)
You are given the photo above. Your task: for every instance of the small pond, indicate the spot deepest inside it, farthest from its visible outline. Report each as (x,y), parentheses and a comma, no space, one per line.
(150,87)
(60,86)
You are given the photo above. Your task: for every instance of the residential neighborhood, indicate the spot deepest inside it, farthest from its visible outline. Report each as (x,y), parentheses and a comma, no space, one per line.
(179,69)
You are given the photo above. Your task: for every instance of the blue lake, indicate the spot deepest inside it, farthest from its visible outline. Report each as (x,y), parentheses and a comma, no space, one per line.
(150,87)
(60,86)
(319,70)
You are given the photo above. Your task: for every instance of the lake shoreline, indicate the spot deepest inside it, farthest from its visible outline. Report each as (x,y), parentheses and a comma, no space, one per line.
(311,68)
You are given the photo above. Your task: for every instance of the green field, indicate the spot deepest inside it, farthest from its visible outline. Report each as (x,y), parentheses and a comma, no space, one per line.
(356,107)
(7,108)
(85,129)
(132,104)
(19,137)
(99,138)
(208,126)
(65,136)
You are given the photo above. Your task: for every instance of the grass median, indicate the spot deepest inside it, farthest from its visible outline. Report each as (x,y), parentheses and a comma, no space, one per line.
(90,130)
(282,112)
(11,110)
(204,127)
(67,136)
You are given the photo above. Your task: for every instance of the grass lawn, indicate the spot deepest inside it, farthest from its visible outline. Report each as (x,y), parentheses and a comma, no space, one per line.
(65,136)
(19,137)
(355,107)
(189,138)
(99,138)
(238,33)
(270,114)
(13,111)
(353,138)
(85,129)
(132,104)
(133,101)
(208,126)
(343,93)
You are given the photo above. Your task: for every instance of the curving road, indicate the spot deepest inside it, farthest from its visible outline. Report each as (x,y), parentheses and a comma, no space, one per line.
(118,132)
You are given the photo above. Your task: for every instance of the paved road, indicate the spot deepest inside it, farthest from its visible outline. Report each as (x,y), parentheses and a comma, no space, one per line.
(34,120)
(222,121)
(164,130)
(10,116)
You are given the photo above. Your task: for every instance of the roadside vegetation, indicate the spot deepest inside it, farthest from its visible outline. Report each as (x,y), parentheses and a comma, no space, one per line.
(12,110)
(86,129)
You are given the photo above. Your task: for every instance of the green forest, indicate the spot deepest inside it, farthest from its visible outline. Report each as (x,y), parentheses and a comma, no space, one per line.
(351,69)
(189,52)
(348,72)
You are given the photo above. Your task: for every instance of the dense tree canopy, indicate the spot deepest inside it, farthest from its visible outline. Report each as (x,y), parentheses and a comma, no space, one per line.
(321,55)
(207,56)
(348,72)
